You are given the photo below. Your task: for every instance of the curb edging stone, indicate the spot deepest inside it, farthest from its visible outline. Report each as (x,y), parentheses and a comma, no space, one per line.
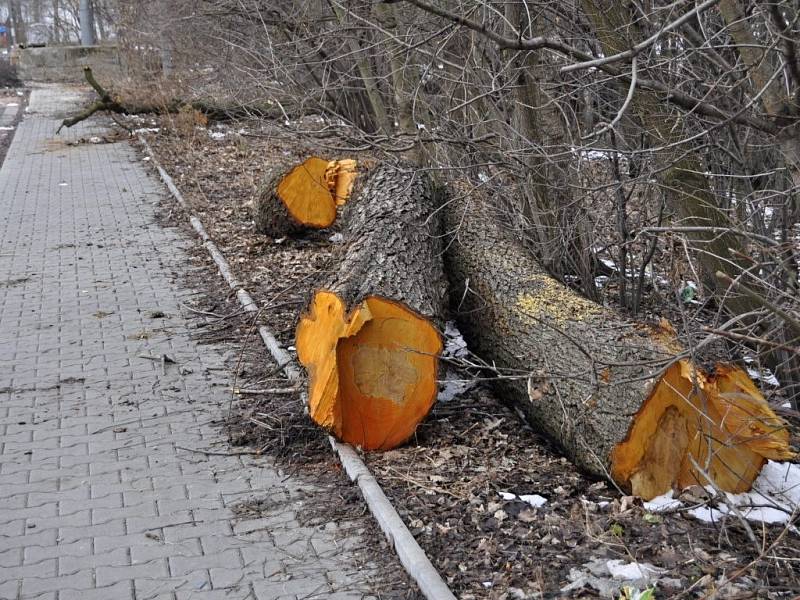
(411,555)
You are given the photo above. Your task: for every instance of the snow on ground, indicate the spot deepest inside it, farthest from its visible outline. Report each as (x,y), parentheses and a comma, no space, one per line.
(774,499)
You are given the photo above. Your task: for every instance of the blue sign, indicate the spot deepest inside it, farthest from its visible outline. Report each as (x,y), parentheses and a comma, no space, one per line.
(2,28)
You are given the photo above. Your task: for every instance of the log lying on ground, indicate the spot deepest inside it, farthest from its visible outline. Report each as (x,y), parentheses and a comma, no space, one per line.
(594,381)
(370,340)
(306,196)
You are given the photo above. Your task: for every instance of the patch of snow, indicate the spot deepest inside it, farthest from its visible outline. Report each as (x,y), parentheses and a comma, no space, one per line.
(12,104)
(455,346)
(483,177)
(507,495)
(147,130)
(592,154)
(336,238)
(609,576)
(4,128)
(217,135)
(662,503)
(774,498)
(706,514)
(763,374)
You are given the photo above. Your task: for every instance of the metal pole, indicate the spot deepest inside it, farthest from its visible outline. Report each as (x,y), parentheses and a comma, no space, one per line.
(87,23)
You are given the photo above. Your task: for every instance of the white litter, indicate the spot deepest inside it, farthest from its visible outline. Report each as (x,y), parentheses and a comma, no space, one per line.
(619,569)
(535,500)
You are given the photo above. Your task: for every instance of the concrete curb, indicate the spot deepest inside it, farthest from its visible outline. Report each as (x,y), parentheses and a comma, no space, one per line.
(411,555)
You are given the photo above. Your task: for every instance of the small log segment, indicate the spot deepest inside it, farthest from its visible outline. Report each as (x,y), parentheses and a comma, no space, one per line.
(305,197)
(370,340)
(595,382)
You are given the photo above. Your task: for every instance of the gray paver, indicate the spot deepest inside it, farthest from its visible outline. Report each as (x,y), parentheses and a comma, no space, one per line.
(96,501)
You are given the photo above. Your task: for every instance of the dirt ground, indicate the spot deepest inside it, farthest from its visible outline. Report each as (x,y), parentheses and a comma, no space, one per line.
(499,513)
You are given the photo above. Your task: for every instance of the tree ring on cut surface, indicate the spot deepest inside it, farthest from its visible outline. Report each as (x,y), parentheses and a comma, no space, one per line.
(372,372)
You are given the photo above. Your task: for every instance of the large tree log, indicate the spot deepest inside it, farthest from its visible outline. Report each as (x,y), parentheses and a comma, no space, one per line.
(306,196)
(595,382)
(369,339)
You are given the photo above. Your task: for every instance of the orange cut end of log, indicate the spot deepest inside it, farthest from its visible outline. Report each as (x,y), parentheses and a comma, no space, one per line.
(694,427)
(372,372)
(340,177)
(305,193)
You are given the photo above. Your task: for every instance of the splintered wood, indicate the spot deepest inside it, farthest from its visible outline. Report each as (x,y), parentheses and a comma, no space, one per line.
(697,428)
(372,372)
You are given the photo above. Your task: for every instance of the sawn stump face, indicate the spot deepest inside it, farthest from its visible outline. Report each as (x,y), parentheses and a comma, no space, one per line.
(305,197)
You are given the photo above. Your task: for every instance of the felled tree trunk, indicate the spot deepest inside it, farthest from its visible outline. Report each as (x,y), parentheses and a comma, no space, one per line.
(303,197)
(595,382)
(369,339)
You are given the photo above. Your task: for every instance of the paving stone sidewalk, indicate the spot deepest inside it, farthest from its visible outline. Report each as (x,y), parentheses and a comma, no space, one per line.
(98,496)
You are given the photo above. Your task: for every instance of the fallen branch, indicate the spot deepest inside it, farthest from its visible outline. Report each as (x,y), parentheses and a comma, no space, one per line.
(107,102)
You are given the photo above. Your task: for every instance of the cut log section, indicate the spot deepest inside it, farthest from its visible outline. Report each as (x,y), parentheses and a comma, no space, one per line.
(370,340)
(304,198)
(614,394)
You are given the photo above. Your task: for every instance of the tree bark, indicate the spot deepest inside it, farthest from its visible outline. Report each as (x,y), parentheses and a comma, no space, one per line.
(612,393)
(369,339)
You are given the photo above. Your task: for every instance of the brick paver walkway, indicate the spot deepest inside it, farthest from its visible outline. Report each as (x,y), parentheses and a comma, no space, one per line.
(97,498)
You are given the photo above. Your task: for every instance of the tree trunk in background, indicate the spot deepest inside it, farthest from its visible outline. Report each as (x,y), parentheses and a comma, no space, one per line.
(387,17)
(367,76)
(553,221)
(777,105)
(57,34)
(688,193)
(36,11)
(17,23)
(87,23)
(594,381)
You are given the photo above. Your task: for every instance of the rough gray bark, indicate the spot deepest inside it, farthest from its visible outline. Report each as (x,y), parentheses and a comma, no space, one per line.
(517,316)
(393,244)
(607,390)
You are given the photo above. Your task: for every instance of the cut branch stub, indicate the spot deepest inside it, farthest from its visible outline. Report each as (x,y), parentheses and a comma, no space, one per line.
(304,198)
(370,340)
(610,391)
